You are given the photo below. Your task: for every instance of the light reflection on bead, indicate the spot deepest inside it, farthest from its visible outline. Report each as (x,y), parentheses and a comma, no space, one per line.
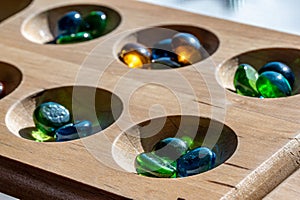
(187,47)
(133,60)
(2,89)
(135,55)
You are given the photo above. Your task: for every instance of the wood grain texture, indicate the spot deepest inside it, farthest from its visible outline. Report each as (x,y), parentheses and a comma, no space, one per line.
(262,127)
(289,189)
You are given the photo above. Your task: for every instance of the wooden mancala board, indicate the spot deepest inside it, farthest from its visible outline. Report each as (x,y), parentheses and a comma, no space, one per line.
(256,140)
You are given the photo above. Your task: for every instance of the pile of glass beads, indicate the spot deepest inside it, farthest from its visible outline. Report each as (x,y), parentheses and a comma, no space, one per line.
(274,79)
(174,157)
(73,28)
(53,123)
(180,50)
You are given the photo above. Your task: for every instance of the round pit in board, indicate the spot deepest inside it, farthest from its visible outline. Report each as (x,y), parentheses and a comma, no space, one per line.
(162,147)
(166,47)
(10,78)
(9,8)
(64,114)
(71,24)
(262,73)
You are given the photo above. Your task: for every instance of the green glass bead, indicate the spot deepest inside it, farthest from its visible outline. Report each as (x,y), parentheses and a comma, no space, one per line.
(245,80)
(39,136)
(271,84)
(74,38)
(153,165)
(171,148)
(50,116)
(188,140)
(95,23)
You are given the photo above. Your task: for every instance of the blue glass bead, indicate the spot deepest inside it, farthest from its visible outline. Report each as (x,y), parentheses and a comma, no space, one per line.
(50,116)
(281,68)
(74,131)
(163,49)
(149,164)
(160,53)
(272,84)
(171,148)
(164,63)
(195,161)
(69,23)
(187,47)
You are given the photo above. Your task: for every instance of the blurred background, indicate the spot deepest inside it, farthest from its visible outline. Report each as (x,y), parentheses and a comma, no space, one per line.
(272,14)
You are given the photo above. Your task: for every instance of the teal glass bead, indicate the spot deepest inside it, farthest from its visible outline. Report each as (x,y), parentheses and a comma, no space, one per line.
(74,131)
(281,68)
(245,79)
(171,148)
(152,165)
(95,23)
(164,63)
(272,84)
(187,47)
(195,161)
(73,38)
(50,116)
(69,23)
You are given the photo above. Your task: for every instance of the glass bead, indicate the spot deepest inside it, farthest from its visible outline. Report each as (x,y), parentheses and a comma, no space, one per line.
(271,84)
(40,136)
(164,44)
(160,53)
(69,23)
(164,63)
(281,68)
(187,47)
(188,140)
(2,89)
(245,79)
(152,165)
(73,38)
(74,131)
(95,23)
(163,49)
(195,161)
(135,55)
(50,116)
(171,148)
